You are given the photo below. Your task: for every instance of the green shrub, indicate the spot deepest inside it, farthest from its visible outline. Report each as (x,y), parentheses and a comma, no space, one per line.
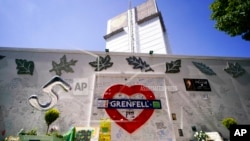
(50,116)
(29,132)
(228,122)
(32,132)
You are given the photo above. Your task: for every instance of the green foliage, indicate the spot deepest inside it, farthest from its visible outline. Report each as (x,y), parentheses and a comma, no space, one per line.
(29,132)
(57,134)
(50,116)
(232,17)
(32,132)
(227,122)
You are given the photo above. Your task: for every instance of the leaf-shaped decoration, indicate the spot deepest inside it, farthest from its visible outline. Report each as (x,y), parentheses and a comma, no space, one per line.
(101,63)
(234,69)
(1,57)
(63,66)
(24,66)
(173,66)
(203,68)
(139,64)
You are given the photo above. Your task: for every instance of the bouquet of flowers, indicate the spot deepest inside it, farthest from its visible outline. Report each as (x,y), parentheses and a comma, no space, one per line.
(201,136)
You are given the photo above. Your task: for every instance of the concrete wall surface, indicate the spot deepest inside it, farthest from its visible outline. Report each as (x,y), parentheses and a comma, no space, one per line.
(229,96)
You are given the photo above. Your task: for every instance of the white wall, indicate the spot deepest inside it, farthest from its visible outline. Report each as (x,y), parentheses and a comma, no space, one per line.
(148,36)
(118,42)
(151,37)
(229,97)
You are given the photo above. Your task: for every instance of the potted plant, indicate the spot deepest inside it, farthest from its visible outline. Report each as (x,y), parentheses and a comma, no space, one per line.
(228,122)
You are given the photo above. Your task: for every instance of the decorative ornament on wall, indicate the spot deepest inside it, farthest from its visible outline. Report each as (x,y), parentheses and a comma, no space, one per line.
(129,125)
(101,63)
(24,66)
(173,66)
(1,57)
(234,69)
(204,68)
(63,65)
(48,89)
(139,64)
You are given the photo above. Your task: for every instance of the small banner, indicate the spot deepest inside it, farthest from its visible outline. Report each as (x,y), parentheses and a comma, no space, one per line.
(128,104)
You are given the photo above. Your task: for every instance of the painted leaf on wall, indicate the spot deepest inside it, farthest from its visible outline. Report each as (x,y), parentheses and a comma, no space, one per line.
(63,66)
(234,69)
(24,66)
(173,66)
(139,64)
(1,57)
(101,63)
(203,68)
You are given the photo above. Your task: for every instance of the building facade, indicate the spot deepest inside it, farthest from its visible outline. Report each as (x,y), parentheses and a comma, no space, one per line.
(196,93)
(139,30)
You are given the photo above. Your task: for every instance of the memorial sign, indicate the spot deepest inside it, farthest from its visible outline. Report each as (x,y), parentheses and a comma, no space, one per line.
(197,84)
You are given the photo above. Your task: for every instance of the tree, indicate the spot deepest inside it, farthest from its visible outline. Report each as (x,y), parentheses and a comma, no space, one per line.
(232,17)
(50,116)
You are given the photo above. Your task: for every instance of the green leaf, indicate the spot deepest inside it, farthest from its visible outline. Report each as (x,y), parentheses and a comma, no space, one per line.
(139,64)
(203,68)
(101,63)
(63,66)
(234,69)
(173,66)
(1,57)
(24,66)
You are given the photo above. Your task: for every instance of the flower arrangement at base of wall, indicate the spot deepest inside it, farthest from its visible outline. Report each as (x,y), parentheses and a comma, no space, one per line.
(200,136)
(50,116)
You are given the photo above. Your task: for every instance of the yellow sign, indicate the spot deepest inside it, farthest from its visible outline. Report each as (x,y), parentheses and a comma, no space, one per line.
(105,130)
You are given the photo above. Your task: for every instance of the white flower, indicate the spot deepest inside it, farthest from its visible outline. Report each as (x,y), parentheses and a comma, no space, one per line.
(54,129)
(200,135)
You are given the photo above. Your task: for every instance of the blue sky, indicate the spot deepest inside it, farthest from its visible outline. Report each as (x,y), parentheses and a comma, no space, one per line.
(81,25)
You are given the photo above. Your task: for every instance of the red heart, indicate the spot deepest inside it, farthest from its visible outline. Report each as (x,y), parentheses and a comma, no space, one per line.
(114,114)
